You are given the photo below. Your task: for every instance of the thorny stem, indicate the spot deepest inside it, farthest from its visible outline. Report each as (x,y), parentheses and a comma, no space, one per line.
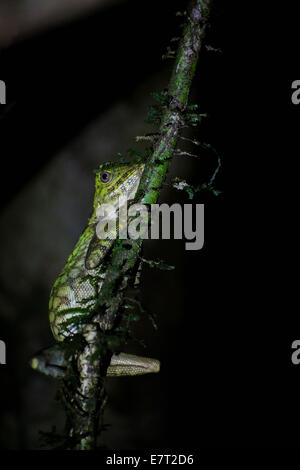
(125,253)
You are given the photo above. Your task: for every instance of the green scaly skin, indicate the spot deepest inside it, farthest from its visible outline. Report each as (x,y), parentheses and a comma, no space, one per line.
(76,289)
(73,293)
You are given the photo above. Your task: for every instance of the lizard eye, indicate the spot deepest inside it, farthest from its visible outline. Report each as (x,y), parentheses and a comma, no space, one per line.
(105,176)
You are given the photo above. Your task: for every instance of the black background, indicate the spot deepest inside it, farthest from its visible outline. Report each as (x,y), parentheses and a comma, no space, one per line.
(227,377)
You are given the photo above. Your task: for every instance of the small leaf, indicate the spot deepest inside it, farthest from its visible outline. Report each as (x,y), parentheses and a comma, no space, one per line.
(160,264)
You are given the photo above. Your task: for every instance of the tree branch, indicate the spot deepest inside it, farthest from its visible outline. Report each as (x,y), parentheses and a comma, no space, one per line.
(94,359)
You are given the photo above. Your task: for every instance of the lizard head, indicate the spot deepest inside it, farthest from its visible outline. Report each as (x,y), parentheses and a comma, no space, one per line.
(116,179)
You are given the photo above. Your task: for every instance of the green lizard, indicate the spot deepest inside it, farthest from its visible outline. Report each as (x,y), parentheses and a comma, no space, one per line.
(73,293)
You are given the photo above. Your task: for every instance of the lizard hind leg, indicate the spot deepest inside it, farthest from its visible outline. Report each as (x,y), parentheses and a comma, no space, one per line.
(127,365)
(50,361)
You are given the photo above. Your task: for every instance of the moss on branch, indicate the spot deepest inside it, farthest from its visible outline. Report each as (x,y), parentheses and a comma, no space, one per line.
(83,427)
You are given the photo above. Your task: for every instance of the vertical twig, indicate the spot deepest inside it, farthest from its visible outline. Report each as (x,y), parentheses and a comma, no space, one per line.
(92,367)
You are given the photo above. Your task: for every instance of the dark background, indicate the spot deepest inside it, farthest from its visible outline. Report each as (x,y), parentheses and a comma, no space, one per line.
(226,318)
